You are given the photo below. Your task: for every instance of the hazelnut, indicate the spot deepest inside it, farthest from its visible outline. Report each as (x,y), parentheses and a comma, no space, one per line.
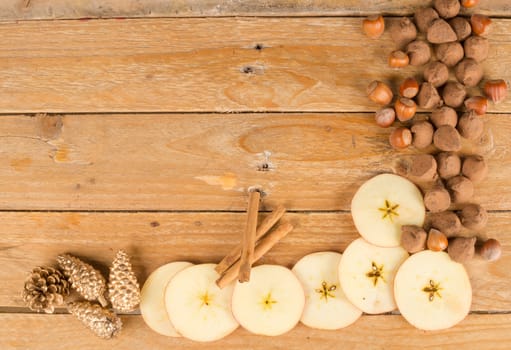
(454,94)
(436,73)
(422,134)
(481,24)
(428,97)
(379,92)
(448,164)
(449,53)
(385,117)
(447,222)
(444,116)
(468,72)
(373,26)
(400,138)
(405,109)
(424,17)
(409,88)
(469,3)
(413,238)
(476,47)
(437,241)
(473,217)
(475,168)
(447,138)
(447,8)
(495,90)
(461,27)
(490,250)
(461,249)
(478,104)
(398,59)
(460,188)
(403,31)
(470,126)
(440,32)
(419,52)
(437,199)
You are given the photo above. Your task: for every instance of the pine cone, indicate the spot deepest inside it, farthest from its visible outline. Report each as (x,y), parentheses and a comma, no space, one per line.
(123,288)
(103,322)
(84,278)
(44,289)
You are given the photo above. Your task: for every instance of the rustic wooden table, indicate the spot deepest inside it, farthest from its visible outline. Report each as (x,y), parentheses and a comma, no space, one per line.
(161,114)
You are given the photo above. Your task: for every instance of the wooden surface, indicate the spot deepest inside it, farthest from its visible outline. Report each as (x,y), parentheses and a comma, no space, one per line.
(144,149)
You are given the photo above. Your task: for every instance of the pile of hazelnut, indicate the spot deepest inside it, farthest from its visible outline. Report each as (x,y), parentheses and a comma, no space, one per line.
(460,44)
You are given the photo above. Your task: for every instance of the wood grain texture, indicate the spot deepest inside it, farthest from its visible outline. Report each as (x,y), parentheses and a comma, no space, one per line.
(197,64)
(207,162)
(53,9)
(390,332)
(153,239)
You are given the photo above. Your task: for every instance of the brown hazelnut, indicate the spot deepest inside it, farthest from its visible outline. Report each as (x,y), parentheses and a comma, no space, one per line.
(454,94)
(473,217)
(470,126)
(469,3)
(461,27)
(440,32)
(475,168)
(468,72)
(460,188)
(373,26)
(405,109)
(424,17)
(398,59)
(400,138)
(446,222)
(413,238)
(385,117)
(403,31)
(478,104)
(437,199)
(422,134)
(476,47)
(419,52)
(423,168)
(490,250)
(437,241)
(447,8)
(449,53)
(428,97)
(481,24)
(495,90)
(444,116)
(409,88)
(448,164)
(461,249)
(379,92)
(436,73)
(447,138)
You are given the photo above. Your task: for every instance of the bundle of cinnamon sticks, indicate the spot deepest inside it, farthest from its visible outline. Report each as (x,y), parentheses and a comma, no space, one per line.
(255,242)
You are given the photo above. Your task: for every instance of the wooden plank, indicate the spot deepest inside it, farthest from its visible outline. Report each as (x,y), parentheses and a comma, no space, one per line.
(207,162)
(32,239)
(197,64)
(53,9)
(389,332)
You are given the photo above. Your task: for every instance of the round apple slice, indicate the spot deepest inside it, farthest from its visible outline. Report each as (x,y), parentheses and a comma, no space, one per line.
(271,303)
(197,308)
(366,274)
(382,205)
(152,298)
(432,291)
(326,306)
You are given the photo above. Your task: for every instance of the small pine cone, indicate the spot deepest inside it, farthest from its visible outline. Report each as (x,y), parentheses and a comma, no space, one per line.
(123,288)
(103,322)
(84,278)
(44,289)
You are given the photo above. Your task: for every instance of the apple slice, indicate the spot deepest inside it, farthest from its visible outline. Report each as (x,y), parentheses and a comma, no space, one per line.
(432,291)
(382,205)
(326,306)
(152,298)
(271,303)
(197,308)
(366,274)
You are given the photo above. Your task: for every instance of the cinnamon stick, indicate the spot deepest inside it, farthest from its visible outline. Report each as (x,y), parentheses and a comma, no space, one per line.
(263,228)
(249,236)
(262,248)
